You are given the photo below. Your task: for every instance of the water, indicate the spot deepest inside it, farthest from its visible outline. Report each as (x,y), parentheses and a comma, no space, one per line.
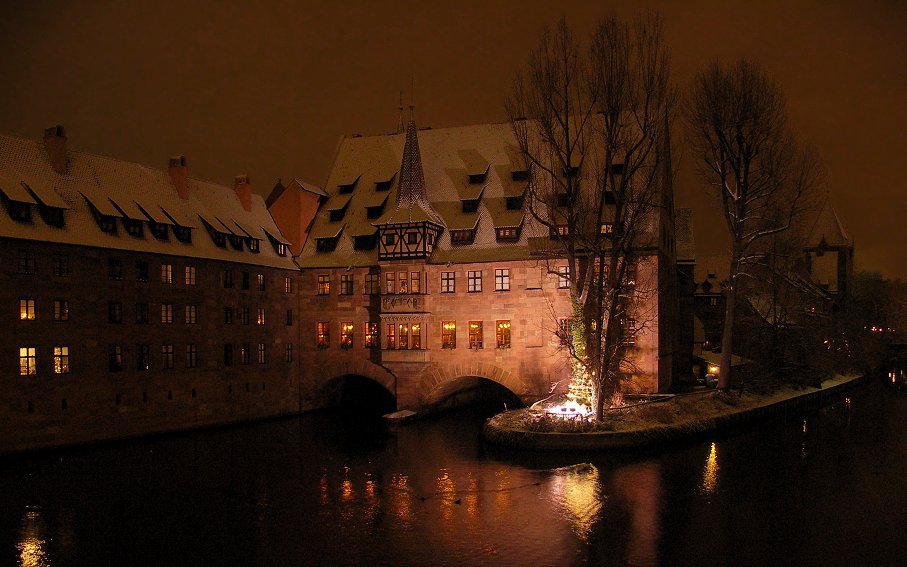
(827,488)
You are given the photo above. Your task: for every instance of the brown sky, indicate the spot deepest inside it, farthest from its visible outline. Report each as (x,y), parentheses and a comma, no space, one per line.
(267,88)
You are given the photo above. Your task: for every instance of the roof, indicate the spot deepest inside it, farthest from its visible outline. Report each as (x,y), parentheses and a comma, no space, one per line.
(828,228)
(124,189)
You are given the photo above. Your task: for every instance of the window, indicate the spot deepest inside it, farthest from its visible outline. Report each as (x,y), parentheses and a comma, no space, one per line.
(245,280)
(60,264)
(507,234)
(191,314)
(244,315)
(346,284)
(372,284)
(288,350)
(167,356)
(227,279)
(143,358)
(502,333)
(289,317)
(462,236)
(391,336)
(190,275)
(415,282)
(324,284)
(470,205)
(261,316)
(448,334)
(371,335)
(607,228)
(416,336)
(184,234)
(245,354)
(27,263)
(474,281)
(448,282)
(114,269)
(402,336)
(630,274)
(27,361)
(287,284)
(27,309)
(403,280)
(502,279)
(563,277)
(390,239)
(141,312)
(346,335)
(141,271)
(114,312)
(167,273)
(191,356)
(166,313)
(565,331)
(323,334)
(115,358)
(260,278)
(629,331)
(61,310)
(412,237)
(390,283)
(228,315)
(475,334)
(228,354)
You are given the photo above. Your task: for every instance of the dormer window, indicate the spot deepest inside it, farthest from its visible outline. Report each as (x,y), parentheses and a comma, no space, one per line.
(108,223)
(183,233)
(366,242)
(325,244)
(158,230)
(20,212)
(386,184)
(465,236)
(253,244)
(520,175)
(515,203)
(235,241)
(219,238)
(607,228)
(133,227)
(507,234)
(337,208)
(337,214)
(281,249)
(348,188)
(374,212)
(470,205)
(561,230)
(476,178)
(53,216)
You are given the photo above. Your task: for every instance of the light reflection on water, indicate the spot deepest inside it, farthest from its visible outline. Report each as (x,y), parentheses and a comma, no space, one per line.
(32,542)
(577,491)
(710,471)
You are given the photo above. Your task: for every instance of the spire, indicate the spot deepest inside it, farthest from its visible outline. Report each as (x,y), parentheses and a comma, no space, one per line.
(401,126)
(412,178)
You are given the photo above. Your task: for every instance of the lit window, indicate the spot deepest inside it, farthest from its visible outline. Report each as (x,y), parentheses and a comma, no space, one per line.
(61,310)
(143,358)
(391,336)
(262,354)
(27,263)
(474,281)
(27,361)
(346,284)
(191,314)
(475,334)
(508,234)
(167,273)
(563,277)
(115,358)
(465,236)
(629,331)
(261,282)
(371,335)
(502,279)
(565,331)
(402,336)
(448,282)
(261,316)
(415,282)
(288,350)
(630,274)
(27,309)
(167,356)
(390,286)
(502,332)
(448,334)
(60,263)
(416,332)
(404,283)
(324,284)
(412,238)
(346,335)
(245,353)
(607,228)
(166,313)
(191,356)
(323,334)
(190,275)
(287,284)
(372,284)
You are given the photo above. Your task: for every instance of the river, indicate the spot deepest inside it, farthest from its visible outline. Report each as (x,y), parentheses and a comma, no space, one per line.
(824,488)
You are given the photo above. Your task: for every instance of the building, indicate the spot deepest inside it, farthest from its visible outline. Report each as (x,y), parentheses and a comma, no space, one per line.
(136,300)
(421,271)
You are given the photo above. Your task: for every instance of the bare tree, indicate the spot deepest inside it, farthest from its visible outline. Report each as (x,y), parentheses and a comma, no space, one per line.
(593,125)
(749,155)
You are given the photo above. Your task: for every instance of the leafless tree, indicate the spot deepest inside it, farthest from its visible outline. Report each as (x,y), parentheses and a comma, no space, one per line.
(593,125)
(749,154)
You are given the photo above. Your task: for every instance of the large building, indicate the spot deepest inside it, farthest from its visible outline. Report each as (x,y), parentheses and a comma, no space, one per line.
(136,300)
(422,270)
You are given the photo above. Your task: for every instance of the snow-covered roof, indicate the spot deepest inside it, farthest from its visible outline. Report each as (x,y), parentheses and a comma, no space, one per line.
(129,190)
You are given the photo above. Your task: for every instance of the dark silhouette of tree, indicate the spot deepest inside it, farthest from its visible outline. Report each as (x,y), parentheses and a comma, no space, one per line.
(593,126)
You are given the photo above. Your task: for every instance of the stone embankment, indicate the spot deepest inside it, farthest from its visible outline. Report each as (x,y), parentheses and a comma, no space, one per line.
(501,431)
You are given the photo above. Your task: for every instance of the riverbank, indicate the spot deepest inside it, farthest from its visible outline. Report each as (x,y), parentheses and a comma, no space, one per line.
(644,424)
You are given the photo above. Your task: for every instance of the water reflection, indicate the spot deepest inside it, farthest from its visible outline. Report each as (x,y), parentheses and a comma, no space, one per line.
(639,485)
(710,472)
(577,489)
(32,545)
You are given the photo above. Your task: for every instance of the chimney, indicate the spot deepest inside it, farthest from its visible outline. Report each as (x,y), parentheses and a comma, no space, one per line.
(243,190)
(179,176)
(55,146)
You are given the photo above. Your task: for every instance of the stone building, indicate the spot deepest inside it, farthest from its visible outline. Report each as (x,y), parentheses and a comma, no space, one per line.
(136,300)
(421,271)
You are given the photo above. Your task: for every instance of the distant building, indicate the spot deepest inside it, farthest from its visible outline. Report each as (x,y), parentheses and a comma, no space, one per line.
(422,271)
(136,300)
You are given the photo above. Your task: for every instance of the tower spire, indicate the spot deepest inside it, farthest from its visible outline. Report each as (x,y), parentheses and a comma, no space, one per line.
(401,125)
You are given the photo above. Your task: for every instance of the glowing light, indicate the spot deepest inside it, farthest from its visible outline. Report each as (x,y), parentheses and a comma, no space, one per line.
(710,472)
(713,369)
(31,544)
(569,410)
(577,490)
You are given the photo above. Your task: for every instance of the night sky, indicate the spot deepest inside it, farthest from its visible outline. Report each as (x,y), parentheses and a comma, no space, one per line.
(268,88)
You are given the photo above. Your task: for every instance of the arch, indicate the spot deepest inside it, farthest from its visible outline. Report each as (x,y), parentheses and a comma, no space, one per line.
(354,392)
(439,380)
(334,370)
